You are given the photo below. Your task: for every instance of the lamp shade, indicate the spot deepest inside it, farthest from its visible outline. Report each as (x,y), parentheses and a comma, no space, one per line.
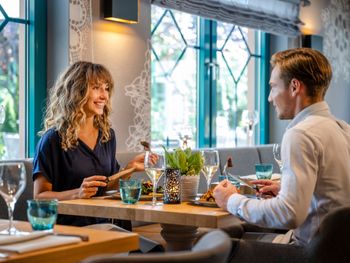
(312,41)
(126,11)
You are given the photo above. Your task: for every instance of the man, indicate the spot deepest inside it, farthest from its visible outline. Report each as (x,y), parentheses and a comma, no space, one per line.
(315,151)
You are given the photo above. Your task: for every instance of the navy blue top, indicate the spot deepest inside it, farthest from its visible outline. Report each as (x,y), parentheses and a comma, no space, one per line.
(66,170)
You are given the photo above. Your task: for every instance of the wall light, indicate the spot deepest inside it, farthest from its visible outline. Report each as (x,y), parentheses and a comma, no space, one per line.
(125,11)
(312,41)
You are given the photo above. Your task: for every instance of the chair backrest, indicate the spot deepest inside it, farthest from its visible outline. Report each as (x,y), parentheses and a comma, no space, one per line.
(215,247)
(20,212)
(331,241)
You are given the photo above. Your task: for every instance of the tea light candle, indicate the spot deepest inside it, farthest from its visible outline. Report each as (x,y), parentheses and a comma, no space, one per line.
(172,193)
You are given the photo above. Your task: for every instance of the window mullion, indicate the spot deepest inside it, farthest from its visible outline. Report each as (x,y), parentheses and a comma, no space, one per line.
(263,88)
(207,84)
(35,72)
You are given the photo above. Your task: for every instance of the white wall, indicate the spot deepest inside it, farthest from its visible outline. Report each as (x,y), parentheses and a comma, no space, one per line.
(122,48)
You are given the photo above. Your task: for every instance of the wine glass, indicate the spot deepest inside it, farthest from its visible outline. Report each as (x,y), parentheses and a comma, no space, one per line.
(250,118)
(154,167)
(276,151)
(12,184)
(211,164)
(2,114)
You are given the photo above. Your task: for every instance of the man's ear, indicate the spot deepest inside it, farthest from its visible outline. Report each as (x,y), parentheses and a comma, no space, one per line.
(295,86)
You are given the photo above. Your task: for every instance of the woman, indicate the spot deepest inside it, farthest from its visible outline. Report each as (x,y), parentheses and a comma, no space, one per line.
(76,152)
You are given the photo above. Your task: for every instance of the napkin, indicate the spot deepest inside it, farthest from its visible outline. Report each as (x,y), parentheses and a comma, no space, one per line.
(42,242)
(8,239)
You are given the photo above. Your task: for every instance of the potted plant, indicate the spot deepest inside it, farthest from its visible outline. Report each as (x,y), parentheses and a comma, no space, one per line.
(190,164)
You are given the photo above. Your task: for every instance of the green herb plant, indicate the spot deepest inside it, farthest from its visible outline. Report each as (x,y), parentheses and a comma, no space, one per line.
(188,162)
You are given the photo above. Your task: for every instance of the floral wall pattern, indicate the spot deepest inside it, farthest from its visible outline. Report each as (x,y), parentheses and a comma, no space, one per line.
(80,33)
(336,42)
(140,93)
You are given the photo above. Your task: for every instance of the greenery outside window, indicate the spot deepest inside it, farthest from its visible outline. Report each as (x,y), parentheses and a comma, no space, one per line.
(12,78)
(22,75)
(203,77)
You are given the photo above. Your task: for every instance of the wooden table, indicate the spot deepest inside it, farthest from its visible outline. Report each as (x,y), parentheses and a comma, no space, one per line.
(179,222)
(99,242)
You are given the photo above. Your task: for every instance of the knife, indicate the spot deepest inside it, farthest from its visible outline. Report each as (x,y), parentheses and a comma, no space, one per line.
(112,181)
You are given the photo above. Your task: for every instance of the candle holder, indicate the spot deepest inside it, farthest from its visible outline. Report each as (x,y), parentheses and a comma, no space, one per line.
(172,191)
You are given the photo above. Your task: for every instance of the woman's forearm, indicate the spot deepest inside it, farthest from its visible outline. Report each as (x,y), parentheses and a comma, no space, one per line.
(64,195)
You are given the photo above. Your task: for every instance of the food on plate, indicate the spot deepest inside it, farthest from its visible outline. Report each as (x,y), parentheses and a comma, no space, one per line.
(147,188)
(208,196)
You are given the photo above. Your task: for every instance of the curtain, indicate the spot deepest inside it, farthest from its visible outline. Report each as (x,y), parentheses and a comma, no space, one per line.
(273,16)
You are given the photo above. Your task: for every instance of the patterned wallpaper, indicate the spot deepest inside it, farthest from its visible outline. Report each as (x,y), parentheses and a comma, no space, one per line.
(139,92)
(336,38)
(80,33)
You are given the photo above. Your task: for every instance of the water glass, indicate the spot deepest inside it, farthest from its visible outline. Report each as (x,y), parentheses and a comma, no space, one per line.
(130,190)
(264,171)
(42,214)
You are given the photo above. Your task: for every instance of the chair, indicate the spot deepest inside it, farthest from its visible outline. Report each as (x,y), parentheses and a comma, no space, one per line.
(215,247)
(329,244)
(20,212)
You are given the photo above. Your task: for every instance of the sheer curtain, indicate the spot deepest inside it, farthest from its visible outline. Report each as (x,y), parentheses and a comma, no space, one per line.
(273,16)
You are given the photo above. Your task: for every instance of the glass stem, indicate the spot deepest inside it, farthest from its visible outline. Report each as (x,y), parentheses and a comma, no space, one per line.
(154,199)
(250,136)
(10,208)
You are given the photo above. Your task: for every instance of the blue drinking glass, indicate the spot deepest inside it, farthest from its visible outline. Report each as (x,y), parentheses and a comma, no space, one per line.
(42,214)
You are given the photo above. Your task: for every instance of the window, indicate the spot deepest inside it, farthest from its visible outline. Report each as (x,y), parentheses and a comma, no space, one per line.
(12,81)
(22,75)
(203,77)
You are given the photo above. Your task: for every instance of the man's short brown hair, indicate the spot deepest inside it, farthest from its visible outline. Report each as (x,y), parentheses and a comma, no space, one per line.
(306,65)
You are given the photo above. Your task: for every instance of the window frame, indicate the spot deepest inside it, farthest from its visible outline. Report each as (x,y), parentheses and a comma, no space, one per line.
(35,79)
(207,86)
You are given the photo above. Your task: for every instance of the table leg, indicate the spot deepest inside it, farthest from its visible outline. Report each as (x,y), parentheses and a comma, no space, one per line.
(179,237)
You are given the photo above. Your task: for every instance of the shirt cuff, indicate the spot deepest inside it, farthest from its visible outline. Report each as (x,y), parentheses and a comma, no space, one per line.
(233,204)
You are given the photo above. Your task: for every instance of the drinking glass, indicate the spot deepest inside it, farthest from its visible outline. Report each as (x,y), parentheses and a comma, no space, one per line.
(42,214)
(276,151)
(154,167)
(12,184)
(211,164)
(250,118)
(130,190)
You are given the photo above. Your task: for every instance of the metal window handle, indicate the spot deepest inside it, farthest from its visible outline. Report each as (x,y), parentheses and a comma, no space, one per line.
(215,69)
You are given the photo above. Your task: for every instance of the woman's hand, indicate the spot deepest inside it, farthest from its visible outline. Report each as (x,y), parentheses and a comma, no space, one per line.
(89,186)
(268,188)
(137,163)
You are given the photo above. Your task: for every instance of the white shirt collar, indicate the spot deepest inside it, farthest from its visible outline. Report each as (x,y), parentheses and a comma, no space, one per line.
(319,109)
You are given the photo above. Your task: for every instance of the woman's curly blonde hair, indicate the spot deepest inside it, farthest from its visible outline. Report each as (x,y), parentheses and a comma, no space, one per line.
(67,98)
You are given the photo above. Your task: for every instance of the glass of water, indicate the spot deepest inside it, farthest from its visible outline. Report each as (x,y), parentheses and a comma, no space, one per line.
(42,214)
(130,190)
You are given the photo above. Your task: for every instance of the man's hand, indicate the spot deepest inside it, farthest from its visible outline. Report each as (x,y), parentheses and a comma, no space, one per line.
(268,187)
(222,193)
(89,186)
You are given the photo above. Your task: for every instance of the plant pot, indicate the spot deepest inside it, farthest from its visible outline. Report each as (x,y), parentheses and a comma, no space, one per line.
(189,187)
